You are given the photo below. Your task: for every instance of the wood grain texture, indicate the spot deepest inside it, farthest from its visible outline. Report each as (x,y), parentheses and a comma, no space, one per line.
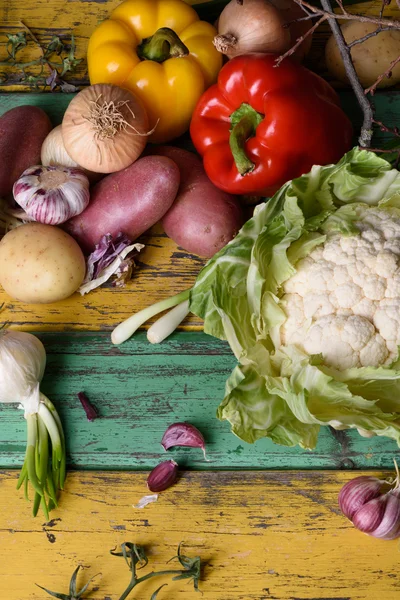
(62,17)
(261,536)
(163,270)
(140,389)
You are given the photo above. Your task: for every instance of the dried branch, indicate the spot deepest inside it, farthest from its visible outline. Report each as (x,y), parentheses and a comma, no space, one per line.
(394,130)
(368,36)
(388,73)
(346,16)
(299,41)
(366,128)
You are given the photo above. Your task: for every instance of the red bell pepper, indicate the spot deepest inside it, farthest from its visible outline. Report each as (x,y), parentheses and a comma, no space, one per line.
(262,125)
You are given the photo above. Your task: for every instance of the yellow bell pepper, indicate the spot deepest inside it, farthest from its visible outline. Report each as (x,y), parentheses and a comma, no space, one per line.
(161,51)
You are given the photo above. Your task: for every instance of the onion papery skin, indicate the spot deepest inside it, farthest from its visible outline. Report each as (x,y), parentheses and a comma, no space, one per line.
(99,149)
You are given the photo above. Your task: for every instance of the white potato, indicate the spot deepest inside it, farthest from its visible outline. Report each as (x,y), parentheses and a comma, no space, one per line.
(370,59)
(40,264)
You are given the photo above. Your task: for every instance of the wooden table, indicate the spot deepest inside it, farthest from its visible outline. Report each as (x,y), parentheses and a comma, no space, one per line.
(263,518)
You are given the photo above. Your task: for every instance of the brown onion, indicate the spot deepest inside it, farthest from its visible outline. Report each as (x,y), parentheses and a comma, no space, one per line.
(104,128)
(254,26)
(262,26)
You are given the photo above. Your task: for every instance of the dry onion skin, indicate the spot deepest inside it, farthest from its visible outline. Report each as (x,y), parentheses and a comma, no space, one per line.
(292,14)
(105,128)
(261,26)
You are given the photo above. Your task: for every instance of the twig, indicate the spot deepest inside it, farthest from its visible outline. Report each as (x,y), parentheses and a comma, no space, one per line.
(366,128)
(346,16)
(382,150)
(383,6)
(388,73)
(299,41)
(368,36)
(393,130)
(32,35)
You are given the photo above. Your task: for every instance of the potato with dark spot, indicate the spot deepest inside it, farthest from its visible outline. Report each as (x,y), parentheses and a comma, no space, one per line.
(40,264)
(23,130)
(370,59)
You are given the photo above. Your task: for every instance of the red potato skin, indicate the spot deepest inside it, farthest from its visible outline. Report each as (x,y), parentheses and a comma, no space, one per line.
(203,219)
(129,201)
(22,133)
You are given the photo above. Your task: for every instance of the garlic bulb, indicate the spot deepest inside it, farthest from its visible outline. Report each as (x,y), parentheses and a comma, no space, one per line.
(54,153)
(53,150)
(373,505)
(52,194)
(22,364)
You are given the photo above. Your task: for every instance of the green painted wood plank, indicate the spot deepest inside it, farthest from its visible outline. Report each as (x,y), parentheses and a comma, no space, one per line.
(140,389)
(387,106)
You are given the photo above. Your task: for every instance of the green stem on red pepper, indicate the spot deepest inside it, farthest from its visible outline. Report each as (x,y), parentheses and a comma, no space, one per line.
(164,44)
(245,121)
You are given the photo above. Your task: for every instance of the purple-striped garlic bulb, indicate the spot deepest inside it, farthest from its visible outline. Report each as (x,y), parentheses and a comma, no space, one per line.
(52,194)
(373,505)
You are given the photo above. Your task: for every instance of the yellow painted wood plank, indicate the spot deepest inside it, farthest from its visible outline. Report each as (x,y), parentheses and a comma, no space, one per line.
(262,535)
(163,270)
(47,17)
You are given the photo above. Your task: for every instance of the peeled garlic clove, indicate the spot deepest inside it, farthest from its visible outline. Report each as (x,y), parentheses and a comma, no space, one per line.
(52,194)
(183,434)
(355,493)
(163,476)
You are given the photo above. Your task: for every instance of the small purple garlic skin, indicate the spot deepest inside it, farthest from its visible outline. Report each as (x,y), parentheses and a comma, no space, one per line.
(163,476)
(52,194)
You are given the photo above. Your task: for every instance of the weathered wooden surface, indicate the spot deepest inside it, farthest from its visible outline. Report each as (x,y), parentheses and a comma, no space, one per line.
(262,536)
(63,17)
(140,389)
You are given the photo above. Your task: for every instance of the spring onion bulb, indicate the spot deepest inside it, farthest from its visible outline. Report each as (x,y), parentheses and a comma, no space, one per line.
(22,365)
(127,328)
(167,324)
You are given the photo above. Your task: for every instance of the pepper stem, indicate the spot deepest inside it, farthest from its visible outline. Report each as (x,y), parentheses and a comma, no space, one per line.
(245,121)
(164,44)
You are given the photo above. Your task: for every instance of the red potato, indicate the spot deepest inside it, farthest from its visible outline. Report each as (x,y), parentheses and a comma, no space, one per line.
(203,219)
(22,132)
(130,201)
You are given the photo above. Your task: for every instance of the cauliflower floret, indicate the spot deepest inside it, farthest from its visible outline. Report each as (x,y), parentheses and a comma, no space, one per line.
(344,300)
(346,342)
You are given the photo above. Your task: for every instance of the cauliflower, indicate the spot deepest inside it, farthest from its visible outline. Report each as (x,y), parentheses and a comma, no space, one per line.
(344,300)
(308,297)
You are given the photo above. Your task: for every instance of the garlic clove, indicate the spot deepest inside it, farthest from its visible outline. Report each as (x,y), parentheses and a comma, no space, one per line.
(355,493)
(368,518)
(183,434)
(389,527)
(52,194)
(163,476)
